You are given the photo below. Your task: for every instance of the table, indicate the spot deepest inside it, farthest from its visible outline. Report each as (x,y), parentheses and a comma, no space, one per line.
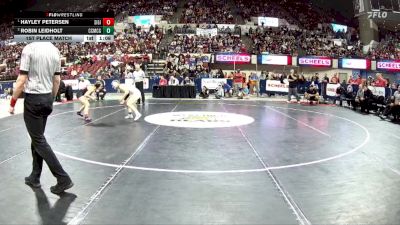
(174,92)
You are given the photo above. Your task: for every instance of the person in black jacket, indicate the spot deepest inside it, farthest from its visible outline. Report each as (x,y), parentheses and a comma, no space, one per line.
(340,94)
(367,101)
(61,90)
(101,92)
(293,81)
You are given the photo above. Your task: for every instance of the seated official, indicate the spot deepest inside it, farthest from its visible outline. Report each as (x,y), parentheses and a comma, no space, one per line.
(173,81)
(312,94)
(205,93)
(349,95)
(340,95)
(187,82)
(61,92)
(163,81)
(363,98)
(393,105)
(101,92)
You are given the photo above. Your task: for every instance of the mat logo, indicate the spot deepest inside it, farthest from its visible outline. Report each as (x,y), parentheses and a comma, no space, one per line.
(377,14)
(198,119)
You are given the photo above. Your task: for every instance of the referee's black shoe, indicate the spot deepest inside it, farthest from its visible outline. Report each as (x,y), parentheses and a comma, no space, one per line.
(32,182)
(60,187)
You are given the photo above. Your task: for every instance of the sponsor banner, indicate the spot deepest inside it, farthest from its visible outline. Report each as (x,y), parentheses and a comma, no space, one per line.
(233,58)
(379,91)
(207,32)
(275,59)
(268,21)
(314,61)
(276,86)
(331,89)
(212,83)
(390,65)
(72,83)
(199,119)
(362,64)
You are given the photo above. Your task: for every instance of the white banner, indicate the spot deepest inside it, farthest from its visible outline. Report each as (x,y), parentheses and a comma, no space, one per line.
(277,86)
(213,32)
(275,59)
(354,63)
(331,89)
(379,91)
(72,83)
(75,84)
(212,83)
(268,21)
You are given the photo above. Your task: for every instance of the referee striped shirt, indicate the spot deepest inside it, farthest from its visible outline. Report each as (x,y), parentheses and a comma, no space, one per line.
(40,61)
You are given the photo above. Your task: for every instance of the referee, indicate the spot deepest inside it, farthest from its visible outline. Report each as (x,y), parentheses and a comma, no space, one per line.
(40,79)
(138,76)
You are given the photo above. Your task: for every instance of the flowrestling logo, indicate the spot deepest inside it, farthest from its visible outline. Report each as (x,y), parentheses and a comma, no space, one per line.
(199,119)
(315,61)
(233,58)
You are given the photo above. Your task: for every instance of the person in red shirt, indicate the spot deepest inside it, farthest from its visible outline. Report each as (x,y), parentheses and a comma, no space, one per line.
(335,79)
(163,81)
(358,81)
(237,80)
(380,81)
(351,80)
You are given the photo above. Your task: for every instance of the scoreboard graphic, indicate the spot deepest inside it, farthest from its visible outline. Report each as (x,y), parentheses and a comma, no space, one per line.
(64,27)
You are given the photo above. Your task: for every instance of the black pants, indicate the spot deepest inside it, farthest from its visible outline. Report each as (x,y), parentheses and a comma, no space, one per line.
(391,110)
(139,85)
(101,94)
(293,91)
(37,107)
(365,105)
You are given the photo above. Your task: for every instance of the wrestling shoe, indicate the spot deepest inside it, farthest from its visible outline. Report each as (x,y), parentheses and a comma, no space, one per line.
(32,182)
(129,116)
(137,117)
(60,187)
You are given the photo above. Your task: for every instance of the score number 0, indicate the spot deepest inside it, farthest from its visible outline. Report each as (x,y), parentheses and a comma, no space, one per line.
(108,21)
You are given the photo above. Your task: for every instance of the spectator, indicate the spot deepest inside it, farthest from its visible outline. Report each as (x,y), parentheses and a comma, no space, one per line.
(335,79)
(380,81)
(205,93)
(238,81)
